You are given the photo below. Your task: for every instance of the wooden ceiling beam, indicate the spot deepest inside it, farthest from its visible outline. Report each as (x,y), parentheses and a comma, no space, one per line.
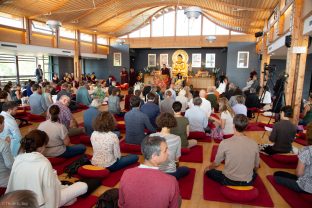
(59,6)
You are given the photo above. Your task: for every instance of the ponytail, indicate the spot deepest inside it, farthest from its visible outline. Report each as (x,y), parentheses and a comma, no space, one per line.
(54,111)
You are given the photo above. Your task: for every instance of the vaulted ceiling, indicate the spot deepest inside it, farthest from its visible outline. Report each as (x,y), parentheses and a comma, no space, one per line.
(119,17)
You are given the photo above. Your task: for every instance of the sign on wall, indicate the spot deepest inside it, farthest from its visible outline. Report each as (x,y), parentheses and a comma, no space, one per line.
(210,60)
(117,59)
(196,60)
(163,59)
(243,59)
(151,60)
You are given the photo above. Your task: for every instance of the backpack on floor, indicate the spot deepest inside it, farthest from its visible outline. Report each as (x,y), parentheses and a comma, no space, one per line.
(109,199)
(73,167)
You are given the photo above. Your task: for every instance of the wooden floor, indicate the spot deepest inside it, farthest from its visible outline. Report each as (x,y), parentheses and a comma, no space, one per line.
(197,200)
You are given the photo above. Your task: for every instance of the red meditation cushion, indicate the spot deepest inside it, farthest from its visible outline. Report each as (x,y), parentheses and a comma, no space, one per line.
(121,125)
(91,171)
(197,135)
(227,136)
(285,158)
(306,197)
(240,193)
(56,160)
(85,139)
(185,151)
(35,118)
(129,147)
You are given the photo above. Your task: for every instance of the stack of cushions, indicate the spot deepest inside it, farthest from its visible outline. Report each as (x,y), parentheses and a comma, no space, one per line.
(285,158)
(240,193)
(91,171)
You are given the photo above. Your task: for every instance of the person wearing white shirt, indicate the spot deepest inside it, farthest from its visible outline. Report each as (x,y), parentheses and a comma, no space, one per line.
(205,105)
(182,99)
(222,86)
(42,179)
(197,117)
(11,131)
(171,89)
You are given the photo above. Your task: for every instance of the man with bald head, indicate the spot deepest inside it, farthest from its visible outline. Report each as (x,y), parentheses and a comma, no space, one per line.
(205,105)
(66,117)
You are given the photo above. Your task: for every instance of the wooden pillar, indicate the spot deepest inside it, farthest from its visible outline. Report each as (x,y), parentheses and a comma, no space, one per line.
(77,57)
(296,62)
(94,43)
(28,31)
(56,38)
(265,60)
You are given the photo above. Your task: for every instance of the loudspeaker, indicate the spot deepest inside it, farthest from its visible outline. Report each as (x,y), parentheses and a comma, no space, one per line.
(258,34)
(260,57)
(288,41)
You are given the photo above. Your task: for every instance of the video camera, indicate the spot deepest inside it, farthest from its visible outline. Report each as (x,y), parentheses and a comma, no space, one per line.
(270,68)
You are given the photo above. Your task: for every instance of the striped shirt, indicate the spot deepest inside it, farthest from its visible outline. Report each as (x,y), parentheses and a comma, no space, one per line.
(174,148)
(65,115)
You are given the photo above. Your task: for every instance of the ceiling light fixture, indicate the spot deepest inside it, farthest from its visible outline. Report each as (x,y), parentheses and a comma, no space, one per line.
(193,12)
(211,38)
(54,24)
(120,41)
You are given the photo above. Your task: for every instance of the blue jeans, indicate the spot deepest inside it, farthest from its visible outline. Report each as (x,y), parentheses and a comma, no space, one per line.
(122,162)
(180,172)
(219,177)
(288,180)
(74,150)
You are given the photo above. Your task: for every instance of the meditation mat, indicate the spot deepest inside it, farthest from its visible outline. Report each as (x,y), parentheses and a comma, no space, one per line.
(119,118)
(195,155)
(2,191)
(114,177)
(294,199)
(212,192)
(129,148)
(80,139)
(35,118)
(25,124)
(60,167)
(77,110)
(254,127)
(267,159)
(199,136)
(87,202)
(186,184)
(214,153)
(301,141)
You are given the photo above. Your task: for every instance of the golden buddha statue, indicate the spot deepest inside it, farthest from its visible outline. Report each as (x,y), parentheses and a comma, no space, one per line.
(179,59)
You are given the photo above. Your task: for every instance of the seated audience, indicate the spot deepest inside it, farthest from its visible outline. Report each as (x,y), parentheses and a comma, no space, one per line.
(37,102)
(232,93)
(105,144)
(166,121)
(7,89)
(136,122)
(82,95)
(47,96)
(307,112)
(11,131)
(182,129)
(29,91)
(109,81)
(153,188)
(197,117)
(147,89)
(59,144)
(240,107)
(212,98)
(55,78)
(3,98)
(138,94)
(283,133)
(90,114)
(252,82)
(173,92)
(6,158)
(183,100)
(223,83)
(114,102)
(301,181)
(166,105)
(42,179)
(127,98)
(64,91)
(227,115)
(205,105)
(66,117)
(241,156)
(252,101)
(17,94)
(19,198)
(151,109)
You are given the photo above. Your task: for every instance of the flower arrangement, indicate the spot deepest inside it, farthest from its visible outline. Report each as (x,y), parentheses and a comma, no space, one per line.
(215,71)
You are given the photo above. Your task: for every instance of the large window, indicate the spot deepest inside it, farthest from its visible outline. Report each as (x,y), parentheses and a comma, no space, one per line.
(10,20)
(67,33)
(27,65)
(85,37)
(210,28)
(44,62)
(7,65)
(182,24)
(169,23)
(102,41)
(158,27)
(41,27)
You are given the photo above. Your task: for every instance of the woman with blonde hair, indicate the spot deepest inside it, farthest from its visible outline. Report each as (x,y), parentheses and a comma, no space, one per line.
(227,115)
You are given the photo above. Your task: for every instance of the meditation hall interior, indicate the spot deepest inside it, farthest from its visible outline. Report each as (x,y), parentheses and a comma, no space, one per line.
(155,103)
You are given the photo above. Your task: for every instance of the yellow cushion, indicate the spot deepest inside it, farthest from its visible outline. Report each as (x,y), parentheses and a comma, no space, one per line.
(241,188)
(121,122)
(92,167)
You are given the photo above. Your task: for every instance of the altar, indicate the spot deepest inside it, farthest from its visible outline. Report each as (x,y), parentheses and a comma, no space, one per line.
(200,82)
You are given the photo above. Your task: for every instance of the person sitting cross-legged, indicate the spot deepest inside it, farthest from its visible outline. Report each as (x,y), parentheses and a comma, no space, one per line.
(37,101)
(136,122)
(153,188)
(90,114)
(166,121)
(241,156)
(283,133)
(151,109)
(105,144)
(197,117)
(240,107)
(302,181)
(182,129)
(59,144)
(166,105)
